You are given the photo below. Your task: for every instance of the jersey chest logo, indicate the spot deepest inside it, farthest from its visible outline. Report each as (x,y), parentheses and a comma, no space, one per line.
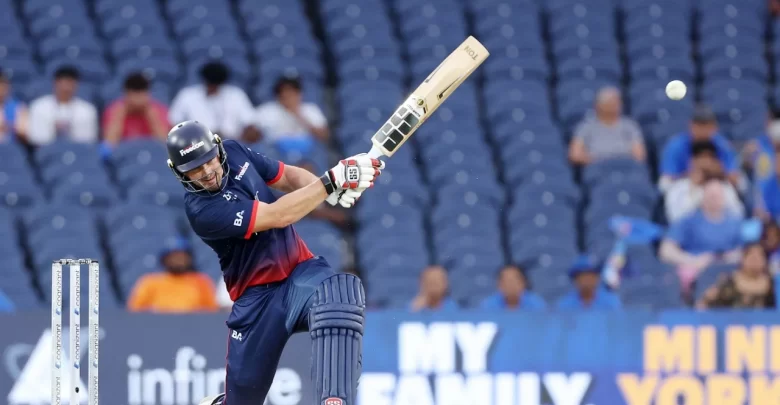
(241,172)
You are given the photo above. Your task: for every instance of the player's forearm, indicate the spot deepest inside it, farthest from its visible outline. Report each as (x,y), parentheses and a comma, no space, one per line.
(290,208)
(296,178)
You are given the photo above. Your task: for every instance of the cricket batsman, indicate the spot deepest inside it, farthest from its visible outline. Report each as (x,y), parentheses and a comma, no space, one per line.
(278,285)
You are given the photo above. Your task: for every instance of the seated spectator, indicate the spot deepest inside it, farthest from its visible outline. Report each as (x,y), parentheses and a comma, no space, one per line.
(770,241)
(13,120)
(6,305)
(589,292)
(222,107)
(607,135)
(290,124)
(758,154)
(513,292)
(749,287)
(179,288)
(676,155)
(434,287)
(62,114)
(684,195)
(136,115)
(708,235)
(768,194)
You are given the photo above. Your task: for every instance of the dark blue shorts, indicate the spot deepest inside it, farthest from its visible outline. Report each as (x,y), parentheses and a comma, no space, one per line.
(262,320)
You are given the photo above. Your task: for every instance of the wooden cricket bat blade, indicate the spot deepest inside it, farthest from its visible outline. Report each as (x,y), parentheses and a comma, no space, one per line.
(428,96)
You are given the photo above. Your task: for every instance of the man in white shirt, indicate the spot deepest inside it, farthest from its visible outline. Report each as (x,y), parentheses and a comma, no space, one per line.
(62,114)
(223,107)
(288,123)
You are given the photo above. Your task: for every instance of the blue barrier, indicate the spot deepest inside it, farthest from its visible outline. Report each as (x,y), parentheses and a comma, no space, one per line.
(633,358)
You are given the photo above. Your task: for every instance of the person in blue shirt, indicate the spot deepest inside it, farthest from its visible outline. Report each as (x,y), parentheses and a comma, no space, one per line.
(13,113)
(434,288)
(676,154)
(768,201)
(711,233)
(513,292)
(589,293)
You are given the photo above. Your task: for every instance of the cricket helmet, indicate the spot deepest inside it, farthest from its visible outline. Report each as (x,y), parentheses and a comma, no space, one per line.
(190,145)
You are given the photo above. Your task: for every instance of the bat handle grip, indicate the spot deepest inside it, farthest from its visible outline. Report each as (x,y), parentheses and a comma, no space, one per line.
(375,153)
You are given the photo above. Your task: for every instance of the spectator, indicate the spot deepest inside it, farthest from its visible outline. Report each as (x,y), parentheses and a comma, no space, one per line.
(750,286)
(434,288)
(290,124)
(588,291)
(676,155)
(770,237)
(6,305)
(758,154)
(711,233)
(513,292)
(608,135)
(768,194)
(136,115)
(13,120)
(179,288)
(223,107)
(63,114)
(770,241)
(684,195)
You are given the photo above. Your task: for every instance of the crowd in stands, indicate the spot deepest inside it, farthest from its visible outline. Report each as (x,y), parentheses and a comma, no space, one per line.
(700,174)
(288,123)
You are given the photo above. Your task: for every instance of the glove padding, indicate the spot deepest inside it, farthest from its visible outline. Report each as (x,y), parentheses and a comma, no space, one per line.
(345,198)
(355,172)
(348,196)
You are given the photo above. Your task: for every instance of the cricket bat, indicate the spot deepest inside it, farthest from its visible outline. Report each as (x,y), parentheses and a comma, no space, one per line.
(428,96)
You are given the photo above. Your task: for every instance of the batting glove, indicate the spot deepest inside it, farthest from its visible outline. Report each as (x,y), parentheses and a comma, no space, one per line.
(345,198)
(356,172)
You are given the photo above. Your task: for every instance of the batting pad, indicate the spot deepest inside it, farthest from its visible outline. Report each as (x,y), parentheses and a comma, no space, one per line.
(336,325)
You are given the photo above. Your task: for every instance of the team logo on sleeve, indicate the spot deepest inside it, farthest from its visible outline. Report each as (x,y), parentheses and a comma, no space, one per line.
(191,148)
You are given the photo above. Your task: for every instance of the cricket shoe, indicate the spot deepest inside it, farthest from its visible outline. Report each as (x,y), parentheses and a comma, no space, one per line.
(213,400)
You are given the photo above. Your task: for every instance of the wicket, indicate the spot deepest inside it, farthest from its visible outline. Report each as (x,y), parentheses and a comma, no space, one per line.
(75,330)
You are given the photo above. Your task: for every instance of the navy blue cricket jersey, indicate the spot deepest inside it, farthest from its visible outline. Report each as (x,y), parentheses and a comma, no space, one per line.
(225,220)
